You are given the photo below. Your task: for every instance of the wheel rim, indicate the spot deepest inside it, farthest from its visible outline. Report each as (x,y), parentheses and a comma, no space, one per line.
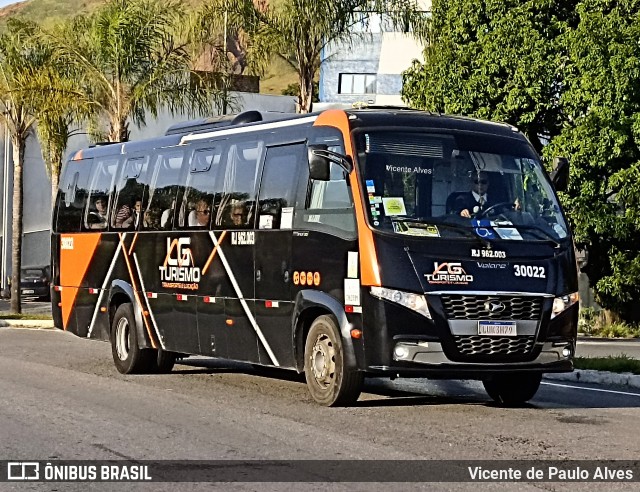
(122,339)
(323,361)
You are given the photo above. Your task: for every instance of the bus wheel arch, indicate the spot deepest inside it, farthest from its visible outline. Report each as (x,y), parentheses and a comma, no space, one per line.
(331,379)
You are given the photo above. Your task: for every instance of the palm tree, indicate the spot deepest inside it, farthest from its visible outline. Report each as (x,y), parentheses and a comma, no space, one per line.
(20,60)
(130,60)
(298,30)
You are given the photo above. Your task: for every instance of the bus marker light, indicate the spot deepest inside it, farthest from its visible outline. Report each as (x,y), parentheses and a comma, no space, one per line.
(355,333)
(209,300)
(145,313)
(59,304)
(57,288)
(94,291)
(271,304)
(103,309)
(230,322)
(152,295)
(181,297)
(348,309)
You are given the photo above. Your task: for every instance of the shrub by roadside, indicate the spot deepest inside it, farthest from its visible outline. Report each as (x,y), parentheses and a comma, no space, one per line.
(591,323)
(611,363)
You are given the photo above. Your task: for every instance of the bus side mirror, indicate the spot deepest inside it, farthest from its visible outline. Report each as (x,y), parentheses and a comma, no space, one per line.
(560,173)
(318,163)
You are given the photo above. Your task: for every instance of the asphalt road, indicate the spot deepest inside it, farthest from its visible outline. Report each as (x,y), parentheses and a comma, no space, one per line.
(61,398)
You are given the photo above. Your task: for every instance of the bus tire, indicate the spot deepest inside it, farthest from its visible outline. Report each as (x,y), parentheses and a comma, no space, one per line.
(512,389)
(330,381)
(163,361)
(128,357)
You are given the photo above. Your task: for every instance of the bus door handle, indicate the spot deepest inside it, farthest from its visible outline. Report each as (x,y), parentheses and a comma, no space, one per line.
(286,276)
(258,275)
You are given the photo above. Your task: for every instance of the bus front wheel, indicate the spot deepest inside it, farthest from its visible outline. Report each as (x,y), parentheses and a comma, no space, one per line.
(512,389)
(330,381)
(128,357)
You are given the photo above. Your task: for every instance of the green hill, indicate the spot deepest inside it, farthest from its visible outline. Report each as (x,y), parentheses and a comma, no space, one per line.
(47,12)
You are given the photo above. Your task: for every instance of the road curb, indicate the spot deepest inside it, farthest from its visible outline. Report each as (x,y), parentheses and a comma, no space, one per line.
(27,323)
(598,377)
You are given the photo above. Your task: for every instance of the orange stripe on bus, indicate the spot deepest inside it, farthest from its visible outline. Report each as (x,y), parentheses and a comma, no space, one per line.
(135,238)
(213,253)
(75,257)
(135,292)
(369,271)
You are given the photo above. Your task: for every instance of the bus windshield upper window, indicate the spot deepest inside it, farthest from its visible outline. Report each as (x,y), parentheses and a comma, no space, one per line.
(414,181)
(100,194)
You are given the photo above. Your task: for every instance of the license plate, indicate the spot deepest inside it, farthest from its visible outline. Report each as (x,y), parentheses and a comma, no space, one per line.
(497,328)
(28,291)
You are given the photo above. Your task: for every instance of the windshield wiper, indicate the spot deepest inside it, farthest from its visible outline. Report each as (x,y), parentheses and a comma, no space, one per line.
(464,230)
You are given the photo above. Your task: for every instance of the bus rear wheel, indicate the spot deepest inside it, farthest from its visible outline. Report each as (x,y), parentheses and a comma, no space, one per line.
(330,381)
(128,357)
(512,389)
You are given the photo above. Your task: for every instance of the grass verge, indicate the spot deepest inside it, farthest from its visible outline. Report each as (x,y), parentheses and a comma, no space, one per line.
(25,316)
(611,363)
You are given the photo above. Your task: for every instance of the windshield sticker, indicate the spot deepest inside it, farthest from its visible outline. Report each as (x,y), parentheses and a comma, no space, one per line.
(488,253)
(374,199)
(506,232)
(371,188)
(394,206)
(448,273)
(482,228)
(352,264)
(352,291)
(424,230)
(407,169)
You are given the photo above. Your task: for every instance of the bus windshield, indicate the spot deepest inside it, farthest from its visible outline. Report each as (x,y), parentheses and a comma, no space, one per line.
(457,183)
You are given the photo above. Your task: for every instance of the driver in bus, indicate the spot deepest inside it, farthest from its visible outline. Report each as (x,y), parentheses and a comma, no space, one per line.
(477,199)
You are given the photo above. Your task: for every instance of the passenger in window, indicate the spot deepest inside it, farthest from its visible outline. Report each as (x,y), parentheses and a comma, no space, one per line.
(129,216)
(98,218)
(167,215)
(200,216)
(238,213)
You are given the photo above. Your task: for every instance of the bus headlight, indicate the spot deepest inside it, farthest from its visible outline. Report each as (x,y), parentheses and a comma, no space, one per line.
(563,302)
(415,302)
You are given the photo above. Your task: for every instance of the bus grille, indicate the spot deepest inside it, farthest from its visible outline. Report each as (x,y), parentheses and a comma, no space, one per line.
(483,345)
(473,307)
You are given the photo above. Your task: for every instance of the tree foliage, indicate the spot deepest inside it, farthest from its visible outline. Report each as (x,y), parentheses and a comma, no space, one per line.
(298,30)
(566,73)
(131,58)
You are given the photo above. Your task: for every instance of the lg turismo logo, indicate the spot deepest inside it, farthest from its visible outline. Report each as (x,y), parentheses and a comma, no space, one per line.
(448,273)
(178,264)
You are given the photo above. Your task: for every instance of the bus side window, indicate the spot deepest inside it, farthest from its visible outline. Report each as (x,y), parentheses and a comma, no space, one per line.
(197,201)
(278,186)
(163,192)
(72,196)
(130,194)
(100,192)
(329,205)
(236,189)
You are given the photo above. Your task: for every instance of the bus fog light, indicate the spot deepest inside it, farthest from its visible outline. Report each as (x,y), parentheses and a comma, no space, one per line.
(566,352)
(401,352)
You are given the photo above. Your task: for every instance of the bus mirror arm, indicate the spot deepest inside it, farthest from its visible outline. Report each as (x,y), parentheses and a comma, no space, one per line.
(320,158)
(560,174)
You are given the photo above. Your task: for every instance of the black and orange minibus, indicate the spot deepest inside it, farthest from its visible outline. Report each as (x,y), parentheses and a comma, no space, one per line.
(346,244)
